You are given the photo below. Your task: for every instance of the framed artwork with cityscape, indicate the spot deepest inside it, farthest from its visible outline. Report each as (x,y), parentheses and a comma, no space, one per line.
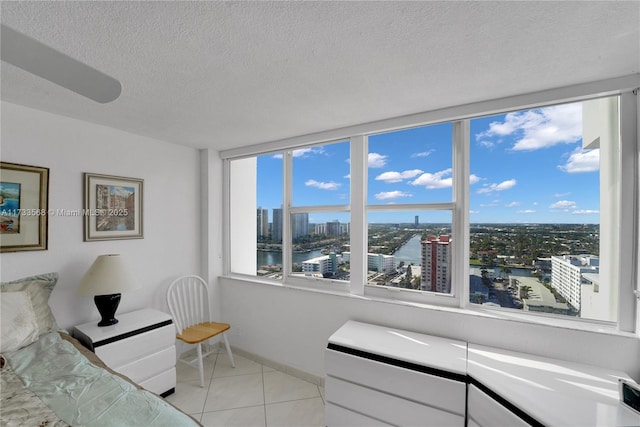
(113,207)
(24,197)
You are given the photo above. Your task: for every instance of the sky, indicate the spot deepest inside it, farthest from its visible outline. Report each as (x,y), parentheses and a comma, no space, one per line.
(526,167)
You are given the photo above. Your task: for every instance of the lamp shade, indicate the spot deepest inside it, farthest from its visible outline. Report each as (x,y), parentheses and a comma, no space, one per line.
(109,274)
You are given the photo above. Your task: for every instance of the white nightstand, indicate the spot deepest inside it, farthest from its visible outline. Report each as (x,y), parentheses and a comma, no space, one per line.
(141,346)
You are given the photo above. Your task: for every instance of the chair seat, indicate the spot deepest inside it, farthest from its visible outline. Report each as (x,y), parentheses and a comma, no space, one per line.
(202,332)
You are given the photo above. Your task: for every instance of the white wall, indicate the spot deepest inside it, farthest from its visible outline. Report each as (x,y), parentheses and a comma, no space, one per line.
(69,147)
(291,326)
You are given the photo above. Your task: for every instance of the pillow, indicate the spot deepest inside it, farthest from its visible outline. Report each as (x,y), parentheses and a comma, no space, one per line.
(18,325)
(39,288)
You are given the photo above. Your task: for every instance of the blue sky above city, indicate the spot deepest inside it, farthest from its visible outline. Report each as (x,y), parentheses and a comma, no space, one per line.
(526,167)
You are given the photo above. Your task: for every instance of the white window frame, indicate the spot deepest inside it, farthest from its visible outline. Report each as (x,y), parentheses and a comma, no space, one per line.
(459,116)
(459,222)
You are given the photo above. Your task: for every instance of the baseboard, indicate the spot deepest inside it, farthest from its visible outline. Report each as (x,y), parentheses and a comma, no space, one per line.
(298,373)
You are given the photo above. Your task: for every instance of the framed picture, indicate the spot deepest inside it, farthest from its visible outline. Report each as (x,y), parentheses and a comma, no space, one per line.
(24,198)
(113,207)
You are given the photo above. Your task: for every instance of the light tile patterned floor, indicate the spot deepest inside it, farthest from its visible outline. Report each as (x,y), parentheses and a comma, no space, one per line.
(250,394)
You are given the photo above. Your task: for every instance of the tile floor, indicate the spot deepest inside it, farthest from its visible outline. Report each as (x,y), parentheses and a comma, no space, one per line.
(250,394)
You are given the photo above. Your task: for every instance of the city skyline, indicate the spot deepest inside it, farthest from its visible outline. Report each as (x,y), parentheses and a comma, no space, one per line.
(526,167)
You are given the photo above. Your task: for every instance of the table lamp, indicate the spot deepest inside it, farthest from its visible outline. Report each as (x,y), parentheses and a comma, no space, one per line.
(107,277)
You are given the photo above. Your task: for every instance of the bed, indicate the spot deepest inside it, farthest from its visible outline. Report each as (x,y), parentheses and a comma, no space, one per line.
(49,379)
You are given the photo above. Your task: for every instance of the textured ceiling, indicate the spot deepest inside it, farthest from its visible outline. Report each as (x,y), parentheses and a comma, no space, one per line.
(228,74)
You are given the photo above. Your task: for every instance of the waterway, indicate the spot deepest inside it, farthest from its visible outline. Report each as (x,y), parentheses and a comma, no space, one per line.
(275,257)
(410,252)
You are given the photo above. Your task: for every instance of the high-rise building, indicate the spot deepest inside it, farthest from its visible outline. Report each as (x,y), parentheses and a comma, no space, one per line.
(344,227)
(381,263)
(299,225)
(436,264)
(276,226)
(262,223)
(569,273)
(320,228)
(333,228)
(416,221)
(322,264)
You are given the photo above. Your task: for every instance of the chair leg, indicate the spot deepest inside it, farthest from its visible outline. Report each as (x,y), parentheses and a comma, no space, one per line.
(200,365)
(226,344)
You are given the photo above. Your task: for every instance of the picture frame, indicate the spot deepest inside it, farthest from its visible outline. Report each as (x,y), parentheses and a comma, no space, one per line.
(113,207)
(24,207)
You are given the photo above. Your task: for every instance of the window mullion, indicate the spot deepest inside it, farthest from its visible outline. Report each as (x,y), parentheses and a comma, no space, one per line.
(287,190)
(226,215)
(358,261)
(627,263)
(460,226)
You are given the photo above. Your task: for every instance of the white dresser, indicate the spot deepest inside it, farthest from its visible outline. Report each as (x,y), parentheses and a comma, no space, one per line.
(508,388)
(385,376)
(140,346)
(378,376)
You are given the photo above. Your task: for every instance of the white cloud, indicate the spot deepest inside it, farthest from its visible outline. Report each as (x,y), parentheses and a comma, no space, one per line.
(473,179)
(431,181)
(562,194)
(386,195)
(512,204)
(582,161)
(423,154)
(323,185)
(303,152)
(563,204)
(504,185)
(377,160)
(347,176)
(585,212)
(471,211)
(539,128)
(486,144)
(526,211)
(393,176)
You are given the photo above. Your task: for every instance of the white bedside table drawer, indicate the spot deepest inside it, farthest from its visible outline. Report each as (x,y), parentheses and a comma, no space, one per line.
(124,351)
(162,383)
(149,366)
(141,346)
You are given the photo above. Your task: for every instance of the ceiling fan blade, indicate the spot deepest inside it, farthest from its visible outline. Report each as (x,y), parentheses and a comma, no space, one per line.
(43,61)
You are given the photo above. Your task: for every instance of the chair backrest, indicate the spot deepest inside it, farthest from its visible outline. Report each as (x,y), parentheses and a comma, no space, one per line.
(188,301)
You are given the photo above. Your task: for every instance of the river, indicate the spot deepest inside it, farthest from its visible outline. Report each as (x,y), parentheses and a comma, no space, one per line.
(410,252)
(275,257)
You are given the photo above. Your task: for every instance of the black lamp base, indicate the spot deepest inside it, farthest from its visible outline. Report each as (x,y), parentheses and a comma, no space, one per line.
(107,306)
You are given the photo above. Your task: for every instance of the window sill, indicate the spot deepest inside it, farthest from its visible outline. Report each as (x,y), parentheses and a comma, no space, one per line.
(471,310)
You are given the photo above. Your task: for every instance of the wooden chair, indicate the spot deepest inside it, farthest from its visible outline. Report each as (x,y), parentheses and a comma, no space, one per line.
(188,300)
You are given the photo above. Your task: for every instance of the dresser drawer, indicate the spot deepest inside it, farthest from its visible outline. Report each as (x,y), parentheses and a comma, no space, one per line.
(486,412)
(150,365)
(336,416)
(127,350)
(161,383)
(385,407)
(431,390)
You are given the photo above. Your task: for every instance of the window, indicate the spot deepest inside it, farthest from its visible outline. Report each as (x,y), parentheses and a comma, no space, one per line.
(504,211)
(535,204)
(409,205)
(319,214)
